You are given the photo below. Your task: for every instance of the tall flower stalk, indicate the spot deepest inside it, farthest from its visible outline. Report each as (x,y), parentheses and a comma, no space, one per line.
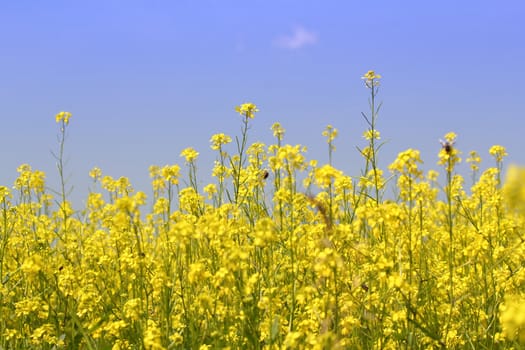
(330,133)
(449,157)
(220,170)
(62,119)
(372,135)
(247,111)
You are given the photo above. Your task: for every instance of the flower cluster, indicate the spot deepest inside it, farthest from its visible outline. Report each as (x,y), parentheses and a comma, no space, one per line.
(63,117)
(371,79)
(247,109)
(255,260)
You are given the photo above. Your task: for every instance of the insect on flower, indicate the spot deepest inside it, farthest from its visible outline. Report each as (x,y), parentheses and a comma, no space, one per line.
(447,146)
(265,174)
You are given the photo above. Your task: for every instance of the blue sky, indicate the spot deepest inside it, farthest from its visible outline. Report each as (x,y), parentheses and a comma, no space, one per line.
(145,79)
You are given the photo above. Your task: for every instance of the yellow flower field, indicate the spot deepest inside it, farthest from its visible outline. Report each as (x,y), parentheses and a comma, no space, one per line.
(277,252)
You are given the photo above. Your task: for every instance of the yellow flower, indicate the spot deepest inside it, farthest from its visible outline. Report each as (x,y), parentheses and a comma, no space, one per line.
(170,173)
(371,79)
(407,162)
(220,171)
(498,152)
(190,154)
(198,273)
(291,155)
(449,155)
(474,160)
(210,190)
(32,266)
(247,109)
(4,193)
(330,133)
(371,75)
(325,175)
(450,137)
(132,309)
(218,140)
(278,131)
(95,173)
(63,116)
(371,134)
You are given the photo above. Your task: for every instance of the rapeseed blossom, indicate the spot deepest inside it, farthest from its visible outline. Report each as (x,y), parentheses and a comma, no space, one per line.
(278,131)
(474,160)
(218,140)
(498,152)
(247,109)
(371,79)
(330,133)
(63,117)
(190,154)
(449,155)
(277,251)
(326,175)
(371,134)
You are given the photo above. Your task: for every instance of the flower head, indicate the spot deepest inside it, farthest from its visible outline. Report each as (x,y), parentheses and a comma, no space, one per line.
(330,133)
(218,140)
(95,173)
(326,174)
(372,134)
(190,154)
(498,152)
(474,160)
(278,131)
(63,116)
(407,163)
(247,109)
(371,79)
(449,155)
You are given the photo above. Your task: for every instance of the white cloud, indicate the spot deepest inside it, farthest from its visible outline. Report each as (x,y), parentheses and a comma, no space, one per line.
(299,38)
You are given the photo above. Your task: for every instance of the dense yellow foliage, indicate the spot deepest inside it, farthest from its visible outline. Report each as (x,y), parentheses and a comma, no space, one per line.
(277,252)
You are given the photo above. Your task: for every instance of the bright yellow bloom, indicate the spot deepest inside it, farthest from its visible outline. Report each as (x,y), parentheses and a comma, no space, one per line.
(498,152)
(407,163)
(210,190)
(247,109)
(371,75)
(330,133)
(218,140)
(95,173)
(449,155)
(278,131)
(170,173)
(198,273)
(291,155)
(257,260)
(4,193)
(152,336)
(63,116)
(32,266)
(190,154)
(325,175)
(132,309)
(474,160)
(371,79)
(450,137)
(190,200)
(220,171)
(372,134)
